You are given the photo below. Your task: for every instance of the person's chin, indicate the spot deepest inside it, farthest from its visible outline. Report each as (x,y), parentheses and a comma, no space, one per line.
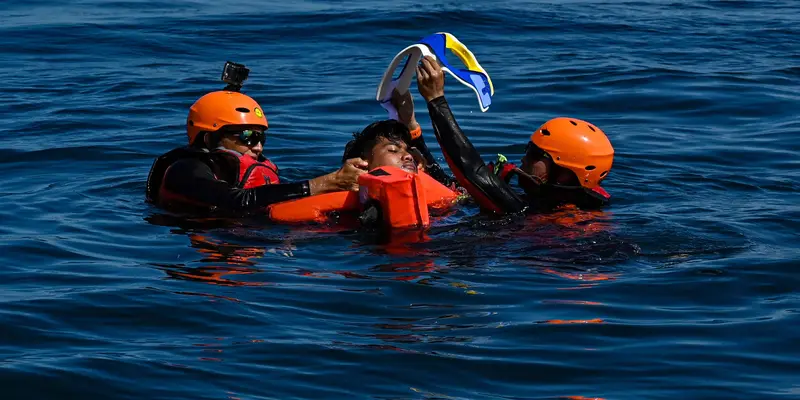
(409,168)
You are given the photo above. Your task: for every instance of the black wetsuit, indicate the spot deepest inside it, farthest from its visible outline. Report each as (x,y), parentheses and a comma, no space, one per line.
(490,191)
(198,178)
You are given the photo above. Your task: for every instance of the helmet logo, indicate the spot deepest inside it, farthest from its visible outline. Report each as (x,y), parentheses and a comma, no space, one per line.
(259,113)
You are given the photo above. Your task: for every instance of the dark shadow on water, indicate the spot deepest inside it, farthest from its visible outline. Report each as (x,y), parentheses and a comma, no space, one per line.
(568,242)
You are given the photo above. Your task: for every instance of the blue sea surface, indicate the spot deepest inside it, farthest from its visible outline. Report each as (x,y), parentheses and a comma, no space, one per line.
(687,287)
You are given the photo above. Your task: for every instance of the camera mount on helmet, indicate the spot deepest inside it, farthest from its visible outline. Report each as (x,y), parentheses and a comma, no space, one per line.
(234,75)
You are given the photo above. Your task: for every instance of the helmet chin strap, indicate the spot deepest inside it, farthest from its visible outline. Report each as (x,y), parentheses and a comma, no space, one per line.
(551,170)
(533,179)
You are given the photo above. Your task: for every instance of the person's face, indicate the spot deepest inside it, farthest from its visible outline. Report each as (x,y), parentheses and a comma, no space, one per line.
(248,141)
(392,154)
(545,169)
(536,166)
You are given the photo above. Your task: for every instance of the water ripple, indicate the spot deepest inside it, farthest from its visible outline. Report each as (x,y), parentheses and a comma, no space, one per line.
(684,288)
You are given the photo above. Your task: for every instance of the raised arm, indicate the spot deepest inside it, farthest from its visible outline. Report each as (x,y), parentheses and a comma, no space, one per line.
(488,190)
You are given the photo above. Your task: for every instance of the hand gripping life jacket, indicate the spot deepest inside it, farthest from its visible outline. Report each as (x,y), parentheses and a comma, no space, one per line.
(401,198)
(250,173)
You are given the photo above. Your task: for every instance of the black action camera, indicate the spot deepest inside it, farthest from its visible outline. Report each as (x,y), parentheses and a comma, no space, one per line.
(234,75)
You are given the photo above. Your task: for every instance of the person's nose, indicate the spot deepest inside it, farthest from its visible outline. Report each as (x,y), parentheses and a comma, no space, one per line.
(407,156)
(258,147)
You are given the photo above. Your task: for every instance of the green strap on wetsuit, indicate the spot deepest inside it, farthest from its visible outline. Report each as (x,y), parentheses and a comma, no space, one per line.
(498,165)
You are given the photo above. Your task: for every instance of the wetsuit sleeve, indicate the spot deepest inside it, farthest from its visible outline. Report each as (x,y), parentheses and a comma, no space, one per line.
(432,167)
(194,181)
(488,190)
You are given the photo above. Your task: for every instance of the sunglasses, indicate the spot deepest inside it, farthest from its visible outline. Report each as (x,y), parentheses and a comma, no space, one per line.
(250,137)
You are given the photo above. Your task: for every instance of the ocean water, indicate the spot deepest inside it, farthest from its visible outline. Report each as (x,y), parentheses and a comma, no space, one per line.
(686,287)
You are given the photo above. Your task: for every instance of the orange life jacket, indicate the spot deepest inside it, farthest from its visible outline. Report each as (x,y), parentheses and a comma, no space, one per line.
(404,199)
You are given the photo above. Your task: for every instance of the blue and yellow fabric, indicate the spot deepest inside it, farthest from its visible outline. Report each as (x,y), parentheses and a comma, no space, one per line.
(436,45)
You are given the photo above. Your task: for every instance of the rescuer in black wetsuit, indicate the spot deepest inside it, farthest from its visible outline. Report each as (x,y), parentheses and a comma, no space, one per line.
(565,160)
(223,168)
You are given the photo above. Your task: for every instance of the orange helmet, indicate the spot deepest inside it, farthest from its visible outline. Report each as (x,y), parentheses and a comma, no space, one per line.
(578,146)
(217,109)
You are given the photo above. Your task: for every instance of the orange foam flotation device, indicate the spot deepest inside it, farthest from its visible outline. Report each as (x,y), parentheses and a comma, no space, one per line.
(403,198)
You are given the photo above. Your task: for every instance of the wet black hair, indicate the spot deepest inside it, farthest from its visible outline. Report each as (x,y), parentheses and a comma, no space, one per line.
(364,141)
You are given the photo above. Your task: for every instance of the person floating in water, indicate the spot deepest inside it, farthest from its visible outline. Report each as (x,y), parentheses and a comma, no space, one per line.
(223,168)
(402,185)
(564,163)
